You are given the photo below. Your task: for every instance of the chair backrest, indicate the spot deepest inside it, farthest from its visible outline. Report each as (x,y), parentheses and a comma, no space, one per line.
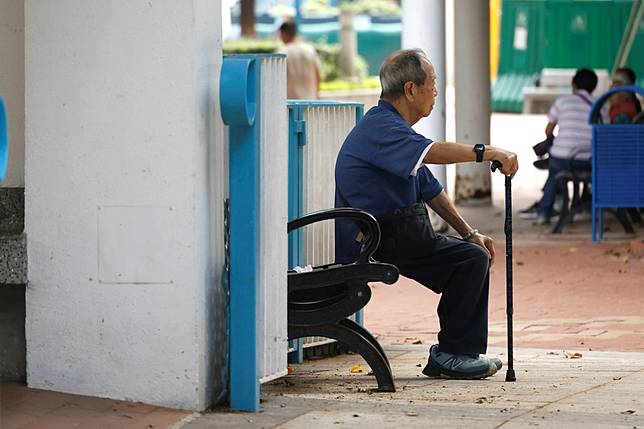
(618,158)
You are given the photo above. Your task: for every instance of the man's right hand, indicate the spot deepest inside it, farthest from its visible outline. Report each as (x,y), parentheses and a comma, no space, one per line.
(509,161)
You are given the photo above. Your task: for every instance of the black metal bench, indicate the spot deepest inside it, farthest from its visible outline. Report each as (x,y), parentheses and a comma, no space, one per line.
(320,301)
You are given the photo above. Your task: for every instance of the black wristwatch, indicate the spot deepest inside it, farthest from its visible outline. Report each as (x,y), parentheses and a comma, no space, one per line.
(479,149)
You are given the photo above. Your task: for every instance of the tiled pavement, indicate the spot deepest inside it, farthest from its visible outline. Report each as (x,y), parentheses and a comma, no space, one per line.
(21,407)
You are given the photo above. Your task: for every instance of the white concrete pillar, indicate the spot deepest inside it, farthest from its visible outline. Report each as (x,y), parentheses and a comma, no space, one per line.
(424,28)
(12,86)
(125,184)
(472,87)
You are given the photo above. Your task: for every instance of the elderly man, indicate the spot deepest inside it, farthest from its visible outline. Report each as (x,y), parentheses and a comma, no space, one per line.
(380,169)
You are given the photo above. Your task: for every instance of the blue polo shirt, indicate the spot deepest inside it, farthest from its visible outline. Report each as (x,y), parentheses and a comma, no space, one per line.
(375,172)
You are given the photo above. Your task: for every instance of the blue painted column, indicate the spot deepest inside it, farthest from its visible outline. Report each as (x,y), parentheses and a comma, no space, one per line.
(239,89)
(4,142)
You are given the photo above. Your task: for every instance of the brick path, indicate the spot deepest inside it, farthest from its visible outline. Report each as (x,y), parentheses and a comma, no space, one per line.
(579,296)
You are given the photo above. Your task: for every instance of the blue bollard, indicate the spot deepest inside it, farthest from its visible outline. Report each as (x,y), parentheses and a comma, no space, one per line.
(240,95)
(4,142)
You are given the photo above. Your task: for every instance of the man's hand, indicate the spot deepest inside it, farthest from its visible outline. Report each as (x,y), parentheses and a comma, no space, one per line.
(509,161)
(487,243)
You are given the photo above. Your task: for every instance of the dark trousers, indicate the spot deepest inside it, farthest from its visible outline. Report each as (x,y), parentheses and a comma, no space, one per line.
(458,270)
(555,166)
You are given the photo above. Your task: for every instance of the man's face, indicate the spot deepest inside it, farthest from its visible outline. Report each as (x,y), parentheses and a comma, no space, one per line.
(427,92)
(619,79)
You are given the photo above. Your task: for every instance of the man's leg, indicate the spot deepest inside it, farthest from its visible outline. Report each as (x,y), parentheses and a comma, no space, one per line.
(460,271)
(550,188)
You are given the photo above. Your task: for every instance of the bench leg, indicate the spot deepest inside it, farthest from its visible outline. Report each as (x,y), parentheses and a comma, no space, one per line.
(356,341)
(350,324)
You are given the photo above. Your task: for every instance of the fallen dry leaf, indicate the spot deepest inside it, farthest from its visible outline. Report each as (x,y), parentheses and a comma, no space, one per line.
(290,370)
(573,355)
(413,340)
(356,369)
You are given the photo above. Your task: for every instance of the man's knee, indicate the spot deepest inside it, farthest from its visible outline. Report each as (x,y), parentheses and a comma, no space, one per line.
(478,257)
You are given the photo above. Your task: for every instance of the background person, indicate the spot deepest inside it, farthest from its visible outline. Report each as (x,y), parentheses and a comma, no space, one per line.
(302,64)
(571,147)
(624,106)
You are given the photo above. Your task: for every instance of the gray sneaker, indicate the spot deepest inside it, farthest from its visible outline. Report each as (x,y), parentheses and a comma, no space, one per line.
(459,366)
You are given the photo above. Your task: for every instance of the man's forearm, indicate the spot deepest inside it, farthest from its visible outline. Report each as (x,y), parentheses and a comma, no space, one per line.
(450,153)
(444,207)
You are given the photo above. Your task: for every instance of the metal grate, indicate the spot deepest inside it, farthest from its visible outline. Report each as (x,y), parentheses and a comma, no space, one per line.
(619,165)
(323,128)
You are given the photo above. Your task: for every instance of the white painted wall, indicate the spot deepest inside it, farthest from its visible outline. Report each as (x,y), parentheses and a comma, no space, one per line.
(124,188)
(12,85)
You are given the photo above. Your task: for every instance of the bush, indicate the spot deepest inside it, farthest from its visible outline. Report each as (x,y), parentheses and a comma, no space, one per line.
(329,56)
(367,7)
(330,59)
(250,46)
(371,82)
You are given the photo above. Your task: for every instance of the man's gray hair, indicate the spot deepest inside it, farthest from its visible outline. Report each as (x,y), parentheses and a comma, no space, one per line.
(399,68)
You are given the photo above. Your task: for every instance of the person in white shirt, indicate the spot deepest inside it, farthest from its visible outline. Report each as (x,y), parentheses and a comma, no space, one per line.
(571,147)
(302,64)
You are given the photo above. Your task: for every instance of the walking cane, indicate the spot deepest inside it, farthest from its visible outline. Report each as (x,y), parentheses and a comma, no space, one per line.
(509,375)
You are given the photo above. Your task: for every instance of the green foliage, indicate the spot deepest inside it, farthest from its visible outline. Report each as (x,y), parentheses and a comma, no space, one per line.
(319,7)
(248,46)
(371,82)
(329,56)
(367,7)
(330,59)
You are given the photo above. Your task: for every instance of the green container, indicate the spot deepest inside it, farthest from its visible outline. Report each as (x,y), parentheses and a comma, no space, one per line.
(584,33)
(536,34)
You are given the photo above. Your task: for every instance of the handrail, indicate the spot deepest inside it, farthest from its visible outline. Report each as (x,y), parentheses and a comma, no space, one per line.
(372,236)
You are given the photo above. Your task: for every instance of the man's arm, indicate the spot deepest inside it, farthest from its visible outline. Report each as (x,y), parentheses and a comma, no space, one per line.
(450,153)
(444,207)
(550,128)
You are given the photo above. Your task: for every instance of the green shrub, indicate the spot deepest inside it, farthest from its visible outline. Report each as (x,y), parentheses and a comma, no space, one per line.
(330,59)
(371,82)
(248,46)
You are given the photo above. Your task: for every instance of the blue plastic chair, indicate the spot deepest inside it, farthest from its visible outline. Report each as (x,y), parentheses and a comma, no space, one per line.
(4,142)
(617,162)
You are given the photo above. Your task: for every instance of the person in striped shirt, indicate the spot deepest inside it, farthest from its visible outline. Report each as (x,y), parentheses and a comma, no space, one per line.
(571,147)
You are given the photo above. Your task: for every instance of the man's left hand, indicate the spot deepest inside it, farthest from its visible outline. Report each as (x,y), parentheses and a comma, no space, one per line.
(487,243)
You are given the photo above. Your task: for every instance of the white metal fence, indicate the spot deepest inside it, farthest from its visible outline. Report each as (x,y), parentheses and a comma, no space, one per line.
(272,311)
(326,126)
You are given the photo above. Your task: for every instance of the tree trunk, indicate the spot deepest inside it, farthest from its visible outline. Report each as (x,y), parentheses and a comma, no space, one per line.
(248,18)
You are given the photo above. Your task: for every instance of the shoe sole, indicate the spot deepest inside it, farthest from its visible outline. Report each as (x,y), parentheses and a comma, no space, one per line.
(432,370)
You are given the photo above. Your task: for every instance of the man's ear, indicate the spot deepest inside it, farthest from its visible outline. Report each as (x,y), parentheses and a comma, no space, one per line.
(409,89)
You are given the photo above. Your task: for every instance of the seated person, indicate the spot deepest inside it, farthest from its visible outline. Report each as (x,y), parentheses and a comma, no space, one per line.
(624,106)
(571,147)
(380,169)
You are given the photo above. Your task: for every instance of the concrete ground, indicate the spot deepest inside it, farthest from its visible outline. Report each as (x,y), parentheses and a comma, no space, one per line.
(601,389)
(570,295)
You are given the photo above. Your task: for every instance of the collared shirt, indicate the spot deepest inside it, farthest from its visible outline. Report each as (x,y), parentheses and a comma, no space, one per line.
(379,169)
(574,135)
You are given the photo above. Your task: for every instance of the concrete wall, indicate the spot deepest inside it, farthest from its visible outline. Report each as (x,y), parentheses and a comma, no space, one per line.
(12,85)
(124,192)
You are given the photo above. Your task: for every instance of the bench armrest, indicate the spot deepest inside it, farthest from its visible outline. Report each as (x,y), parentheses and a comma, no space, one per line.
(372,233)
